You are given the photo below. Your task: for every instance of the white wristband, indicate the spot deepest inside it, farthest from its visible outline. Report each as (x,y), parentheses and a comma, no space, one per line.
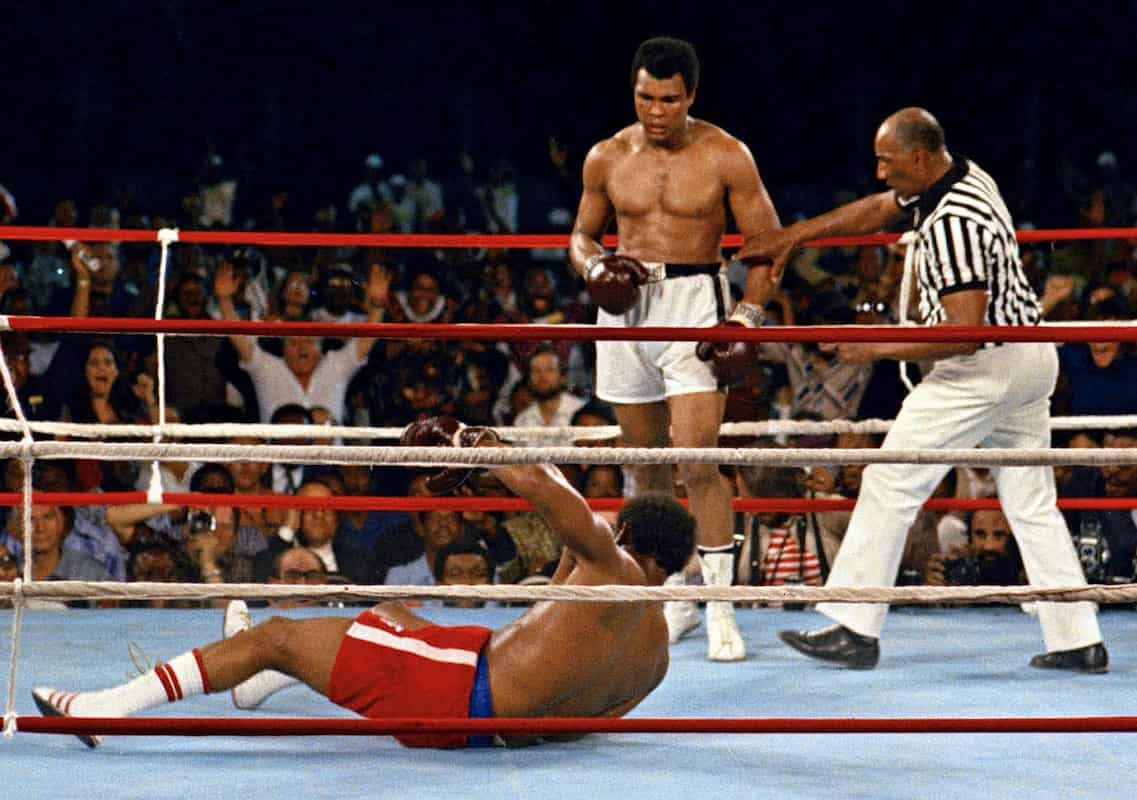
(286,533)
(748,314)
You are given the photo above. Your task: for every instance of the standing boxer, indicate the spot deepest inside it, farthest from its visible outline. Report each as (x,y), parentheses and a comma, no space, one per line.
(667,180)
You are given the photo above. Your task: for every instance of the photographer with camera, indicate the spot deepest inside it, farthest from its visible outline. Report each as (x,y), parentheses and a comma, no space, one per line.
(1106,541)
(222,549)
(776,549)
(990,557)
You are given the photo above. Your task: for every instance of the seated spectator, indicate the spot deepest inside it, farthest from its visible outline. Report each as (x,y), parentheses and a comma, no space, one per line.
(37,397)
(297,566)
(488,524)
(595,414)
(1106,541)
(1075,480)
(777,548)
(603,481)
(465,561)
(819,383)
(422,299)
(553,406)
(106,396)
(366,530)
(50,559)
(223,549)
(480,373)
(287,478)
(315,529)
(220,548)
(251,273)
(1100,377)
(293,299)
(436,529)
(156,558)
(175,475)
(541,304)
(251,477)
(198,368)
(89,531)
(338,295)
(403,544)
(990,557)
(303,375)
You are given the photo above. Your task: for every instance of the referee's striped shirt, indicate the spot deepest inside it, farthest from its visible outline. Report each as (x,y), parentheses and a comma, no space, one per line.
(965,240)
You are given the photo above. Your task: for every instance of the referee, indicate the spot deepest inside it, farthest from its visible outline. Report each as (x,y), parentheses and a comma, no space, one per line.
(966,268)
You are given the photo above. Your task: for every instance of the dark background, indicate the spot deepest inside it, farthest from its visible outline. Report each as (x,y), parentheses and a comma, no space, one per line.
(118,94)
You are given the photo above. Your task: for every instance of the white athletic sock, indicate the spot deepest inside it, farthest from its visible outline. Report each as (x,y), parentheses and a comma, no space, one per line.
(177,679)
(717,565)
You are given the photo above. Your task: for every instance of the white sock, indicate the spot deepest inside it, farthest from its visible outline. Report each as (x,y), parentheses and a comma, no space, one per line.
(717,566)
(177,679)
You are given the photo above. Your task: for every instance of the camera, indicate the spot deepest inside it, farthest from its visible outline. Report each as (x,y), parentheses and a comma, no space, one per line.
(1092,548)
(201,522)
(961,571)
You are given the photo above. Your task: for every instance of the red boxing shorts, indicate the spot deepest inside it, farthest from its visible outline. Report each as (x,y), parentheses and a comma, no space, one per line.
(384,671)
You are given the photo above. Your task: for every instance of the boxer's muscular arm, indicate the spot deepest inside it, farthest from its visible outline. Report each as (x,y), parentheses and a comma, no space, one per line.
(754,212)
(586,535)
(595,211)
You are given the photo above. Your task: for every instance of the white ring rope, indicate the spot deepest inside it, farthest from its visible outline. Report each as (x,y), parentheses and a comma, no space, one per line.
(502,456)
(113,590)
(16,590)
(225,430)
(166,237)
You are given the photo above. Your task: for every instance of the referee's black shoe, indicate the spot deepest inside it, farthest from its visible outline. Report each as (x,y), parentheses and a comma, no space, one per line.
(1091,658)
(836,644)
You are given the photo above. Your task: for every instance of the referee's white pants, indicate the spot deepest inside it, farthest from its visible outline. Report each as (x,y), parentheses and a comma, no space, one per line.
(998,397)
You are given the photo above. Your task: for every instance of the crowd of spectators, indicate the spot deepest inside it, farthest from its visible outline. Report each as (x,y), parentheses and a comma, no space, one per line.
(379,382)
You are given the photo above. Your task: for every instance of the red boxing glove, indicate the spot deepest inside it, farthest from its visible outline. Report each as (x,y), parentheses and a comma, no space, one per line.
(446,432)
(614,282)
(733,360)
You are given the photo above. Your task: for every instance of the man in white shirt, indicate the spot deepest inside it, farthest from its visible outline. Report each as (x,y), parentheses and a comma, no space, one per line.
(303,375)
(553,406)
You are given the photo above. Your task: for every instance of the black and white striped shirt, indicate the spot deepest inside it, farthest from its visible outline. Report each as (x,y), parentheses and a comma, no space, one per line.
(965,239)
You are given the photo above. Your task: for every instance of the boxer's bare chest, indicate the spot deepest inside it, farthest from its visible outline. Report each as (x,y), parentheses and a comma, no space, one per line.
(681,184)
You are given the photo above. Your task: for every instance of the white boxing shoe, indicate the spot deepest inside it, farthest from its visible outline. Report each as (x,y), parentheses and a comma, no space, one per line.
(251,693)
(237,619)
(682,617)
(724,641)
(54,703)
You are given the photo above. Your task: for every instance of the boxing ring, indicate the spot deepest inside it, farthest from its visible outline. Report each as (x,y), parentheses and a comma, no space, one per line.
(952,706)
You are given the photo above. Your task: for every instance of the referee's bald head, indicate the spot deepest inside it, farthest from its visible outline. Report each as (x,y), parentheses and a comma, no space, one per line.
(916,128)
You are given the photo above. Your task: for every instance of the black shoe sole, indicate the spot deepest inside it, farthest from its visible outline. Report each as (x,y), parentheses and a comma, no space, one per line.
(48,710)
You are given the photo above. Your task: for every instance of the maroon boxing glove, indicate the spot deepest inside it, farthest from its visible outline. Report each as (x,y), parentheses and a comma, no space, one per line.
(446,432)
(614,282)
(733,360)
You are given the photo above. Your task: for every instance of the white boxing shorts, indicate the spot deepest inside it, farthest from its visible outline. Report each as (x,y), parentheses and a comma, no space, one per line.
(647,372)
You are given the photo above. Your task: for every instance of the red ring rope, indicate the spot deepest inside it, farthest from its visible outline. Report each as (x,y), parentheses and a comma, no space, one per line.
(587,333)
(282,726)
(790,505)
(507,241)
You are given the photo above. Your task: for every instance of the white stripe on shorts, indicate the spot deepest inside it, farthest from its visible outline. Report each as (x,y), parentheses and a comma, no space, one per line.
(417,647)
